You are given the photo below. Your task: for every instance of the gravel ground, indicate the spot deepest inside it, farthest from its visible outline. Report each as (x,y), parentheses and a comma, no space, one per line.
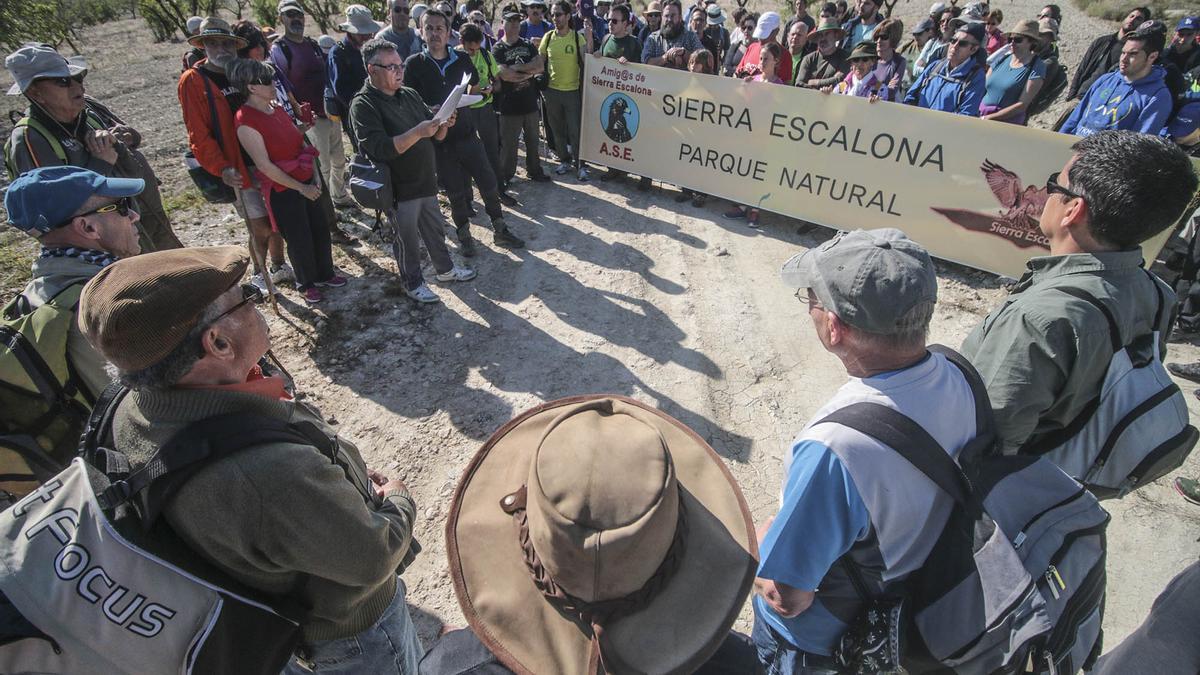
(618,291)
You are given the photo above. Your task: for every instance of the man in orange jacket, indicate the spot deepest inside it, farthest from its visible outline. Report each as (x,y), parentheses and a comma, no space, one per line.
(205,89)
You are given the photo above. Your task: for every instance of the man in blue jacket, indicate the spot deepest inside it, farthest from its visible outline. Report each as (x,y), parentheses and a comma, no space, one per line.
(1134,97)
(956,83)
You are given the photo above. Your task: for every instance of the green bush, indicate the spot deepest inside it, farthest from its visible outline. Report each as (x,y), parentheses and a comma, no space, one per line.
(167,17)
(55,22)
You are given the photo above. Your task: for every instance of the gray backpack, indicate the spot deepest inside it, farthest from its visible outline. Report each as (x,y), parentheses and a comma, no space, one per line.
(1136,430)
(1018,574)
(93,580)
(371,183)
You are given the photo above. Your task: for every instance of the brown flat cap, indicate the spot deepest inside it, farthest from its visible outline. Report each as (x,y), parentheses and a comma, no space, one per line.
(137,310)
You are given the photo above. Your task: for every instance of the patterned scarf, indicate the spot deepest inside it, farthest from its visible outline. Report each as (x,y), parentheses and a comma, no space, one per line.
(87,255)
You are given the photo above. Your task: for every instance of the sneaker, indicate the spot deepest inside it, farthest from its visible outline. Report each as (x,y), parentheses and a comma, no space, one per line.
(563,169)
(423,295)
(335,281)
(312,295)
(1188,488)
(584,174)
(735,212)
(507,199)
(282,274)
(698,199)
(457,273)
(752,218)
(540,177)
(506,239)
(257,281)
(466,247)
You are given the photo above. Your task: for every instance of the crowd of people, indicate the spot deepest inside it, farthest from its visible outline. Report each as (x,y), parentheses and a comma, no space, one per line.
(270,119)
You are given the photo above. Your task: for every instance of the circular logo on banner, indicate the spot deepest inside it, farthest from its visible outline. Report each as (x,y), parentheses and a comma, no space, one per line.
(619,118)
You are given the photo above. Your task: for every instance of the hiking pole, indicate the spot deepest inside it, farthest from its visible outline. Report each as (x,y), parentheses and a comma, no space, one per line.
(260,264)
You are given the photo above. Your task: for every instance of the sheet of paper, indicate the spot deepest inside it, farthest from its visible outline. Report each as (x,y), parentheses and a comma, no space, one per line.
(451,102)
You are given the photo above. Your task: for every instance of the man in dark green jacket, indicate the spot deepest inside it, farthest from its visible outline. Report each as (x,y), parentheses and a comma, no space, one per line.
(393,126)
(1044,353)
(279,517)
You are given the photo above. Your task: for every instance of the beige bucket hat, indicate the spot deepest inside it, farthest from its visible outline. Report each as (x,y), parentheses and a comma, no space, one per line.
(596,534)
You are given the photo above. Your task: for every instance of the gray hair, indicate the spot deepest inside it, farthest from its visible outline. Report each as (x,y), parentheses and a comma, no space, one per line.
(167,372)
(373,47)
(241,72)
(912,330)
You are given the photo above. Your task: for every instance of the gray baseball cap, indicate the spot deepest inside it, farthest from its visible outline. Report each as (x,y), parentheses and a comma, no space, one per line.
(869,278)
(36,60)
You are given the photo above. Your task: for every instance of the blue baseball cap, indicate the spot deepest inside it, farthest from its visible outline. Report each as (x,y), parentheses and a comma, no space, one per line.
(40,200)
(1188,23)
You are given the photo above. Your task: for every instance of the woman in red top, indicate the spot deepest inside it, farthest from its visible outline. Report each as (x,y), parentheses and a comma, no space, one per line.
(284,166)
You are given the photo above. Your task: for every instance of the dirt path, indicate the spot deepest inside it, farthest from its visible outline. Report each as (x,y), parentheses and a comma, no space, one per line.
(618,291)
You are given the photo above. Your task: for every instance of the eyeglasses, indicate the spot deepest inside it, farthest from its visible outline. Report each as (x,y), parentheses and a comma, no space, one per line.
(812,302)
(390,67)
(122,206)
(1053,187)
(63,82)
(250,295)
(964,43)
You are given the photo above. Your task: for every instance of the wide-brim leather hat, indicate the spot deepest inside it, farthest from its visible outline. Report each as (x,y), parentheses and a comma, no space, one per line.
(215,27)
(595,533)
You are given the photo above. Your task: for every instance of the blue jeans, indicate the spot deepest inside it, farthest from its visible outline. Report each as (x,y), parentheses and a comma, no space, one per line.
(389,646)
(778,657)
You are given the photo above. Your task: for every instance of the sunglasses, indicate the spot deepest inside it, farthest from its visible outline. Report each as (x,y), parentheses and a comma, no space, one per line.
(1054,187)
(63,82)
(1017,39)
(262,81)
(123,206)
(964,43)
(250,295)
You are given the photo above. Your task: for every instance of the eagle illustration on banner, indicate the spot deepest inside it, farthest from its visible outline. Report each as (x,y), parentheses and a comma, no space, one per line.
(1022,209)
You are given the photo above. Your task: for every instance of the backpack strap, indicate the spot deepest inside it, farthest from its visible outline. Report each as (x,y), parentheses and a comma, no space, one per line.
(198,444)
(907,439)
(96,439)
(212,106)
(1114,333)
(984,443)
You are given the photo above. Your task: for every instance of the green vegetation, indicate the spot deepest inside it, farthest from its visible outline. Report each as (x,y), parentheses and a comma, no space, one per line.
(16,254)
(188,198)
(55,22)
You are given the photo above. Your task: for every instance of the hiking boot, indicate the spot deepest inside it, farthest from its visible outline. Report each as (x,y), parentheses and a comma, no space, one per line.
(563,169)
(282,274)
(507,199)
(466,247)
(1188,488)
(335,281)
(457,273)
(1188,371)
(423,295)
(312,295)
(643,184)
(506,239)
